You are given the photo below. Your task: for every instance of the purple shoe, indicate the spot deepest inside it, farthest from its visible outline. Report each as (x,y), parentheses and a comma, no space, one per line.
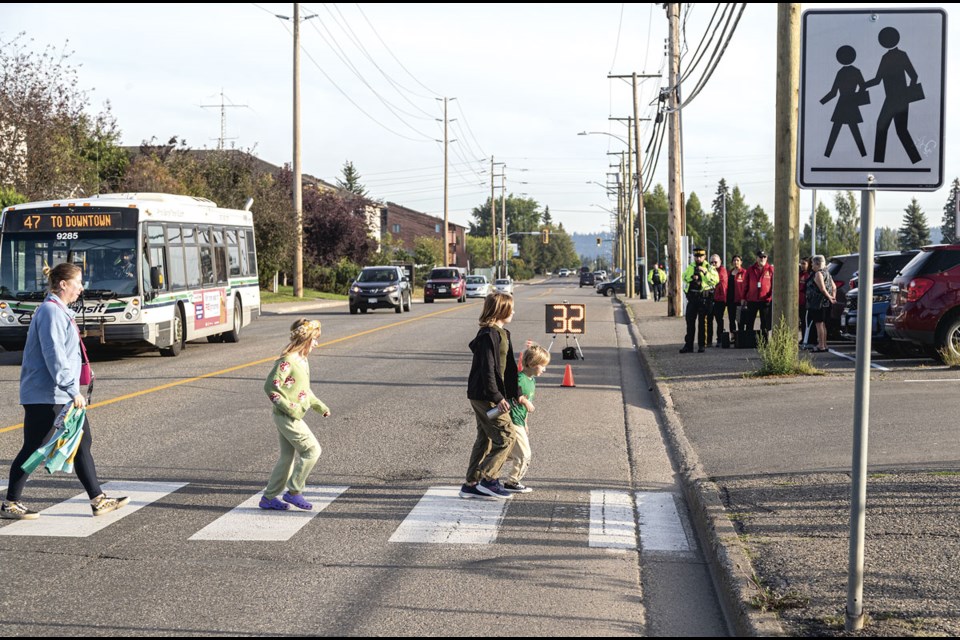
(273,503)
(297,501)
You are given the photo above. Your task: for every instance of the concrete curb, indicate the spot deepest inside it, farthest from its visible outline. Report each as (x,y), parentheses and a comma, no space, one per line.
(725,555)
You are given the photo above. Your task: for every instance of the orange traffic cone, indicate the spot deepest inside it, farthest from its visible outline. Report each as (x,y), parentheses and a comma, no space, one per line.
(568,377)
(520,363)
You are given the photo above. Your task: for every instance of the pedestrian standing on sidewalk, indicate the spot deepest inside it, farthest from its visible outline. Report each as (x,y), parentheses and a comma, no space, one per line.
(699,281)
(719,300)
(535,361)
(657,277)
(493,383)
(736,294)
(50,379)
(821,295)
(288,387)
(760,294)
(806,272)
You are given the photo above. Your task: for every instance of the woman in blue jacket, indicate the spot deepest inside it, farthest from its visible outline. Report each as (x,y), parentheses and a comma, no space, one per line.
(50,379)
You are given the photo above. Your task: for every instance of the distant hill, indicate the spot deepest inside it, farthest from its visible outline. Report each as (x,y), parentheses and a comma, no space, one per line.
(936,235)
(585,244)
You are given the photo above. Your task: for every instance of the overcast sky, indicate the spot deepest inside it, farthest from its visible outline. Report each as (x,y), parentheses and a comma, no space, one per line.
(526,79)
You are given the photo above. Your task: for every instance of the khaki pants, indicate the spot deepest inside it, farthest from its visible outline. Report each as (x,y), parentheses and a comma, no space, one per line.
(292,470)
(495,439)
(519,456)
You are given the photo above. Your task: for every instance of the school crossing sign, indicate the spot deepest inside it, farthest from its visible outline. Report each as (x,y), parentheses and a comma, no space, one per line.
(872,99)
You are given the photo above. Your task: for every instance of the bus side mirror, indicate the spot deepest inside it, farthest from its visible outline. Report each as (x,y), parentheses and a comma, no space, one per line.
(156,277)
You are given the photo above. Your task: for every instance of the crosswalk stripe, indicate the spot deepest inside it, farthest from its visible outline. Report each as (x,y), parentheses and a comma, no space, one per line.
(660,526)
(611,520)
(443,517)
(73,519)
(249,522)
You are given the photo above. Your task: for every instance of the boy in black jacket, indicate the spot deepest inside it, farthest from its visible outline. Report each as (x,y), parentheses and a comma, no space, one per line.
(492,383)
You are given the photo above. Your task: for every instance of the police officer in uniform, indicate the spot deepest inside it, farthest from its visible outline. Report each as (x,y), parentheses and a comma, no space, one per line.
(699,281)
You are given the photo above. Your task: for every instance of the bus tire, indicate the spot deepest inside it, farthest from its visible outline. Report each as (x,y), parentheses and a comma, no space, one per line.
(179,335)
(234,334)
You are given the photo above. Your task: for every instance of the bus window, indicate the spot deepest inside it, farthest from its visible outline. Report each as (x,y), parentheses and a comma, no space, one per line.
(193,266)
(206,264)
(178,273)
(220,255)
(233,252)
(251,254)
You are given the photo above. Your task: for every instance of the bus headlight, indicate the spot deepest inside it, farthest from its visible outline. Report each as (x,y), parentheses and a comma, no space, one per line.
(132,311)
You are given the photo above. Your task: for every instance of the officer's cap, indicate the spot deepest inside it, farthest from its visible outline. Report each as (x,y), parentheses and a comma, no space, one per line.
(699,253)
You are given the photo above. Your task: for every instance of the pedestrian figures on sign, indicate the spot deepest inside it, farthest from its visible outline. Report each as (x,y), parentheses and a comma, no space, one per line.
(894,69)
(850,91)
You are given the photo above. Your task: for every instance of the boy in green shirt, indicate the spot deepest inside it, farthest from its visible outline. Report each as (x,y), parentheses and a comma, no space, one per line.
(535,361)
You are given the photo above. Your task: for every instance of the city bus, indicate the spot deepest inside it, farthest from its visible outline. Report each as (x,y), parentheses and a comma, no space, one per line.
(159,270)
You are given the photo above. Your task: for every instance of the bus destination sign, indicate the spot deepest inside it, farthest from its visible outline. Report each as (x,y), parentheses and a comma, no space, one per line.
(67,220)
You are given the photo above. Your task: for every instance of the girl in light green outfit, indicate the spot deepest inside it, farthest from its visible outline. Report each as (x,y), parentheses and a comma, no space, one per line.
(288,387)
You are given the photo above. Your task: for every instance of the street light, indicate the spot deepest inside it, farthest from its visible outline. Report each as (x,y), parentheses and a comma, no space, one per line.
(603,133)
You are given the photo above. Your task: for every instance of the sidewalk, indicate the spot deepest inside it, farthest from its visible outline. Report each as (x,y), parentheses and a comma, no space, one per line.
(781,539)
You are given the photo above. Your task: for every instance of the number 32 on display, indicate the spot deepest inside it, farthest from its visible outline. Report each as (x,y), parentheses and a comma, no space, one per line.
(566,318)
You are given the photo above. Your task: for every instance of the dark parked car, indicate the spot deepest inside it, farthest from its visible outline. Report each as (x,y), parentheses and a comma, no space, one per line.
(925,301)
(587,278)
(617,285)
(380,288)
(445,282)
(886,267)
(841,269)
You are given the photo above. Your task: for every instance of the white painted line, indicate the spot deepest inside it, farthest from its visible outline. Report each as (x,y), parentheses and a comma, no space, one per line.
(660,527)
(936,380)
(443,517)
(854,359)
(249,522)
(611,520)
(73,518)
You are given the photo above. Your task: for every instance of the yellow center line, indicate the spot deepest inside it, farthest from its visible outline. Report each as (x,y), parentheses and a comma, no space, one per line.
(251,364)
(546,293)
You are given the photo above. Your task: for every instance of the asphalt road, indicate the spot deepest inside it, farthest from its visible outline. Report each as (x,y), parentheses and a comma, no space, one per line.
(193,435)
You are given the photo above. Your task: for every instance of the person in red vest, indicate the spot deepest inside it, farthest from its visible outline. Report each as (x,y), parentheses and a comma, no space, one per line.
(719,300)
(736,294)
(760,293)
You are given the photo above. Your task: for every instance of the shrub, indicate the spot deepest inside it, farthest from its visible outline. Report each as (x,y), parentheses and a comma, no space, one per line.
(780,355)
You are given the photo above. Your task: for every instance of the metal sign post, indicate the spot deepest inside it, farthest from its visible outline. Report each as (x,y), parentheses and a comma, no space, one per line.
(871,118)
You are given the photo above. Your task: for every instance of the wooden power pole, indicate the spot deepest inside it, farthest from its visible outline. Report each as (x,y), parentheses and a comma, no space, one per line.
(675,215)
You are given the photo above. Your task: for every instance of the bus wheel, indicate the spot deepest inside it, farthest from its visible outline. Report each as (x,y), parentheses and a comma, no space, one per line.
(234,334)
(178,334)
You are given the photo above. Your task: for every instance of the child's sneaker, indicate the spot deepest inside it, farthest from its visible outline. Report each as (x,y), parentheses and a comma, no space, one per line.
(105,505)
(470,491)
(516,487)
(493,488)
(16,511)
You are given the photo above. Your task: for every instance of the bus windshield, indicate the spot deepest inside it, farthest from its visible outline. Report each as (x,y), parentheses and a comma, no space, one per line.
(108,260)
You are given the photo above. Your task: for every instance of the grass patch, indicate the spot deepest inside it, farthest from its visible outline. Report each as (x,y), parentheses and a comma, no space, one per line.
(767,599)
(877,476)
(285,294)
(780,355)
(949,358)
(945,473)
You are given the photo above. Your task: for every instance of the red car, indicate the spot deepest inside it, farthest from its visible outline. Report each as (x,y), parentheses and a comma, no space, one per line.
(925,301)
(445,282)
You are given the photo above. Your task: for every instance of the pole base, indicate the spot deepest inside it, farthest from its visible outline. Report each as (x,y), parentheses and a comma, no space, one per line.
(855,622)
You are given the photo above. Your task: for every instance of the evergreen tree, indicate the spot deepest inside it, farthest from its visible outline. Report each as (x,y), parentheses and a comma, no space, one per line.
(948,226)
(914,232)
(716,219)
(351,180)
(826,234)
(698,225)
(848,223)
(759,234)
(887,240)
(738,219)
(656,204)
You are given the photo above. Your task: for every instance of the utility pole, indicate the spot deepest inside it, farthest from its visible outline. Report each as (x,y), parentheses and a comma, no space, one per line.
(503,212)
(787,200)
(641,213)
(446,182)
(223,117)
(675,215)
(297,172)
(493,219)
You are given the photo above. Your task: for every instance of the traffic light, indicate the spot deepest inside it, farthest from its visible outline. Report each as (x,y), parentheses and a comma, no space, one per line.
(545,235)
(599,241)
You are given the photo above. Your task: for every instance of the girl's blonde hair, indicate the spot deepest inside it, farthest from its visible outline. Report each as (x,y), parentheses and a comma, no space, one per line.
(496,306)
(535,355)
(302,334)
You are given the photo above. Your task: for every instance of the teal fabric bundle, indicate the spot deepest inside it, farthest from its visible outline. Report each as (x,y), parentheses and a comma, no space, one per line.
(59,452)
